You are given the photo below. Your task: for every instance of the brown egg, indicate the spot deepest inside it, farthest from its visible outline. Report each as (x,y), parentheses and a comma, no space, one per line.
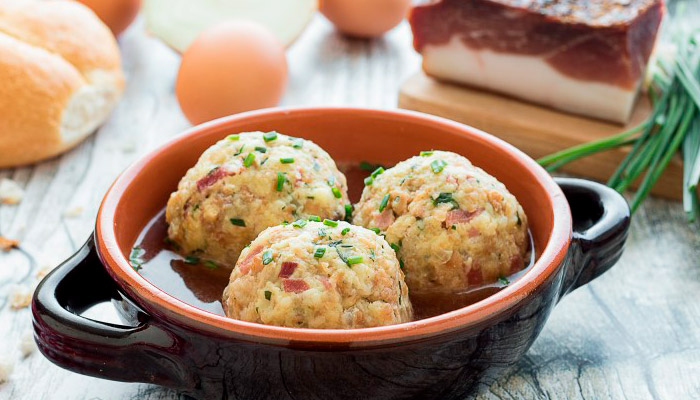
(365,18)
(116,14)
(229,68)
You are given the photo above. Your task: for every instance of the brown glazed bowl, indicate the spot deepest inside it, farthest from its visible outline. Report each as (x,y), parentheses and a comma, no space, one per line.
(578,227)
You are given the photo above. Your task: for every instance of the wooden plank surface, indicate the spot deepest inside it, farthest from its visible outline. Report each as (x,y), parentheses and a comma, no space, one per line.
(535,129)
(632,334)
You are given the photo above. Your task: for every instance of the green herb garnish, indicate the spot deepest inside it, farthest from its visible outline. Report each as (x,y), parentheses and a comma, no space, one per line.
(330,223)
(248,161)
(267,257)
(368,181)
(395,247)
(270,136)
(438,165)
(375,230)
(445,198)
(268,295)
(348,212)
(336,192)
(319,251)
(354,260)
(280,181)
(503,280)
(135,257)
(232,138)
(345,231)
(210,264)
(287,160)
(300,223)
(191,260)
(237,221)
(298,143)
(426,153)
(377,172)
(261,149)
(385,201)
(314,218)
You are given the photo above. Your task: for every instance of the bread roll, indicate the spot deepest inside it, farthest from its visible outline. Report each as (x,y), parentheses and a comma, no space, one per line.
(60,77)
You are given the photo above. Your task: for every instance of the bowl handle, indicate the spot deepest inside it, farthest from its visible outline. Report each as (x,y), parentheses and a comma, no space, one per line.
(601,219)
(124,353)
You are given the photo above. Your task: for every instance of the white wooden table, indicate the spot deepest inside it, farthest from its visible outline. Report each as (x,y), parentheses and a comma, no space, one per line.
(632,334)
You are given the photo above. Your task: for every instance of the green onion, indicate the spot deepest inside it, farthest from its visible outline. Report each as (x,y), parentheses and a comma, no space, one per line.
(368,181)
(375,230)
(438,166)
(377,172)
(268,295)
(135,258)
(426,153)
(314,218)
(365,166)
(354,260)
(503,280)
(267,257)
(445,198)
(249,160)
(270,136)
(287,160)
(395,247)
(336,193)
(280,181)
(345,231)
(232,138)
(300,223)
(331,181)
(385,201)
(319,251)
(210,264)
(261,149)
(298,143)
(330,223)
(191,260)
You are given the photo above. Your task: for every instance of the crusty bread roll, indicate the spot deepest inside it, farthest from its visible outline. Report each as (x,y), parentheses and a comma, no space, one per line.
(60,77)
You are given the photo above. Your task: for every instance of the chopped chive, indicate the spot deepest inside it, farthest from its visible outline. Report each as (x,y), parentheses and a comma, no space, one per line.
(368,181)
(395,247)
(328,222)
(385,201)
(267,257)
(135,257)
(287,160)
(319,251)
(270,136)
(210,264)
(438,166)
(454,227)
(354,260)
(238,153)
(345,231)
(237,221)
(314,218)
(445,198)
(249,159)
(348,212)
(268,295)
(280,181)
(377,172)
(298,143)
(426,153)
(300,223)
(191,260)
(503,280)
(232,138)
(336,192)
(375,230)
(261,149)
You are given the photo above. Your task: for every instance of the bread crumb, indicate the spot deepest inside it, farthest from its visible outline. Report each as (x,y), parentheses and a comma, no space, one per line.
(10,192)
(73,212)
(20,296)
(26,344)
(8,244)
(6,367)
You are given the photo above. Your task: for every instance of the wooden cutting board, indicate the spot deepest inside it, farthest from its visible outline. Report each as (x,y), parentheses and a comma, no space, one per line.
(536,130)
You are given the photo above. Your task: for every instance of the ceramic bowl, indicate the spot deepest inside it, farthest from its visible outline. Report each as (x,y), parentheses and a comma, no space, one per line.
(578,227)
